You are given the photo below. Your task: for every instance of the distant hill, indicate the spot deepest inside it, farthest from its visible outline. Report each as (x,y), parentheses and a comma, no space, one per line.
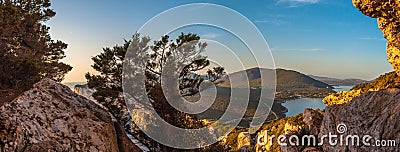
(289,84)
(335,81)
(387,80)
(287,80)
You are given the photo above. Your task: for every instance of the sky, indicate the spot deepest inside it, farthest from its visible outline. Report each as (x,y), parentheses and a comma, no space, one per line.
(319,37)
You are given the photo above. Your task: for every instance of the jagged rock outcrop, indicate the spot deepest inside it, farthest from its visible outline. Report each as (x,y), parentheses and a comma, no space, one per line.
(122,114)
(50,117)
(373,113)
(388,14)
(85,91)
(313,120)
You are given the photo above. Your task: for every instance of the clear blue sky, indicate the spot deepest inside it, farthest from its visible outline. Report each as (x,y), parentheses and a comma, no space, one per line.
(319,37)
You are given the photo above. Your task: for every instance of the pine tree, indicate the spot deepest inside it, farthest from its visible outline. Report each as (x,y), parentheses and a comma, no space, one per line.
(163,55)
(27,52)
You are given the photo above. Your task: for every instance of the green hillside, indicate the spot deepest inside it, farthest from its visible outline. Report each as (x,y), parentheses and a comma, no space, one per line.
(287,80)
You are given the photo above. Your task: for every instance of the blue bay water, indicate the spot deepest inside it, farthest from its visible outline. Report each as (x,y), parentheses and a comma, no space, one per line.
(342,88)
(298,105)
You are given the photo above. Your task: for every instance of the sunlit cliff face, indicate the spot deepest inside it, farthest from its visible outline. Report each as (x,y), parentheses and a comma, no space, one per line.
(388,14)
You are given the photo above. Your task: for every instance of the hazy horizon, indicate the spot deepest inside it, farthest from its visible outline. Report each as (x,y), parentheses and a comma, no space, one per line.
(84,81)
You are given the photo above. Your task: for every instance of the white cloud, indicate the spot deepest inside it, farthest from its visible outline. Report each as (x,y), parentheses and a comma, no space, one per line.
(276,19)
(373,38)
(275,22)
(209,36)
(296,3)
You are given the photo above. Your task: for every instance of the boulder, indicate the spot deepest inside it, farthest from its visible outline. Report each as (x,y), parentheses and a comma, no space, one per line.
(313,119)
(85,91)
(50,117)
(123,116)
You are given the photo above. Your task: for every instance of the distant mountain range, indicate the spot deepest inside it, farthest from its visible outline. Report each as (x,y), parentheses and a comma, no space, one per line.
(287,80)
(335,81)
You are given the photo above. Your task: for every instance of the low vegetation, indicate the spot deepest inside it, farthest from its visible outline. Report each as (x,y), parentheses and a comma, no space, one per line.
(289,83)
(279,127)
(385,81)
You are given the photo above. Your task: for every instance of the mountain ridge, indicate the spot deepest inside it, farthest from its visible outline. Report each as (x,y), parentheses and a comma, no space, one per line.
(337,81)
(285,79)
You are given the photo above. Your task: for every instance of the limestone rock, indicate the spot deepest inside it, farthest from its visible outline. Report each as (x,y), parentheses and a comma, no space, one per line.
(245,149)
(373,113)
(85,91)
(50,117)
(313,119)
(311,149)
(290,149)
(388,14)
(243,140)
(299,149)
(123,116)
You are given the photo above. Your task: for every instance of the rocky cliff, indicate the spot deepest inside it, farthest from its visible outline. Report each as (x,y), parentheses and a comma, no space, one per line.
(85,91)
(368,109)
(50,117)
(388,14)
(374,113)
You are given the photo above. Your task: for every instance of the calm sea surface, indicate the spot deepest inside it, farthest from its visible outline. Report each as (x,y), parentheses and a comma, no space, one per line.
(298,105)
